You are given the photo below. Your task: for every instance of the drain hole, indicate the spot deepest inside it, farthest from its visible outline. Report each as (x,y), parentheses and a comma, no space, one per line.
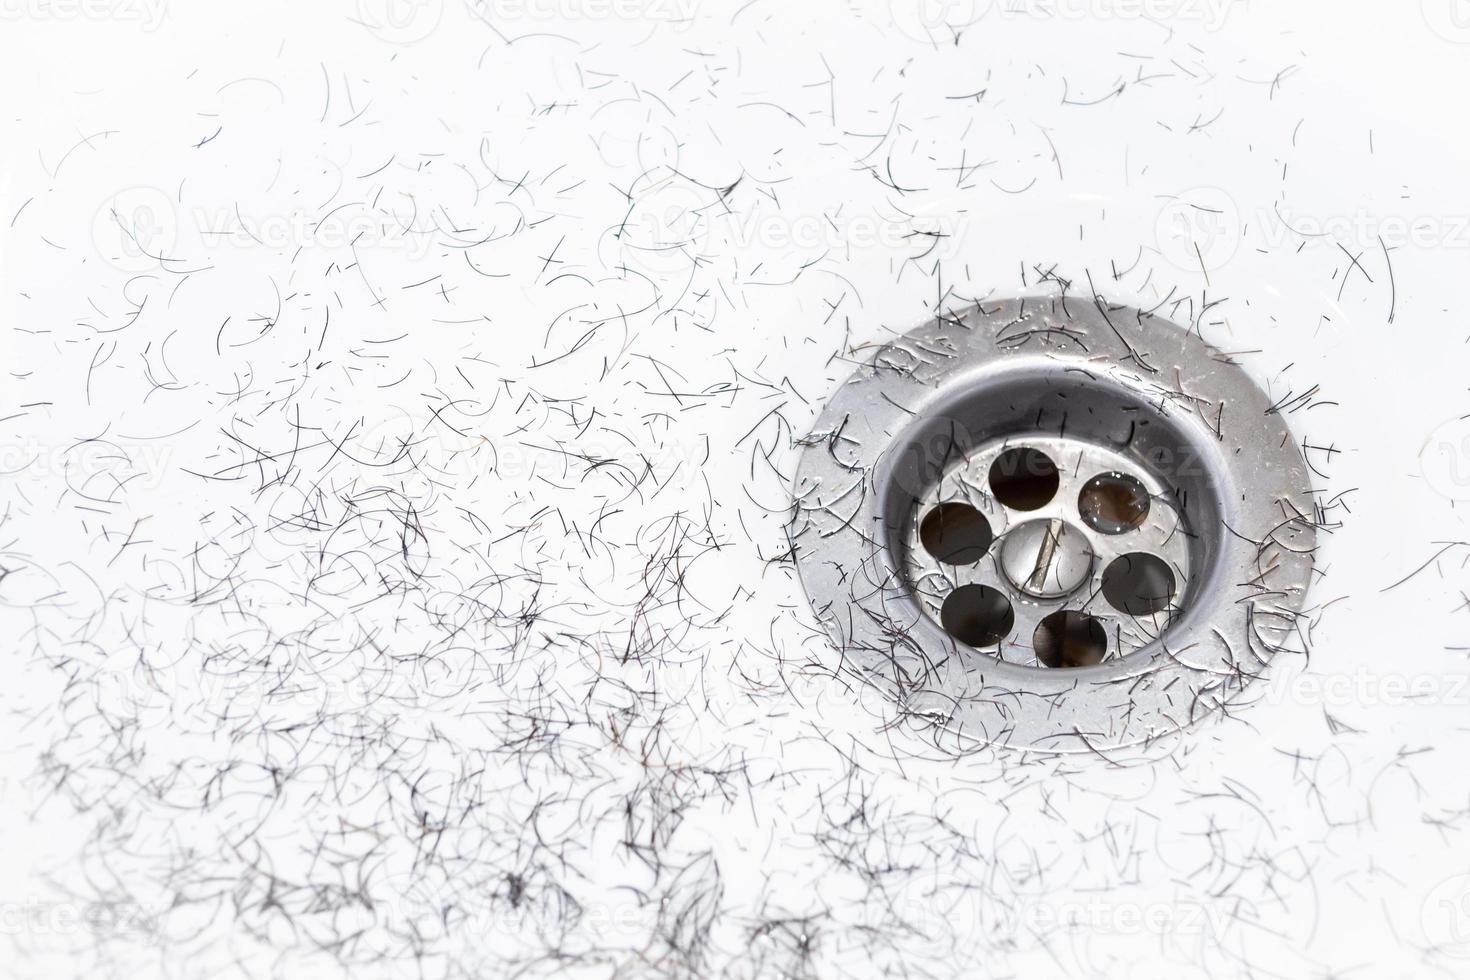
(1138,584)
(1024,478)
(977,615)
(1070,639)
(1113,503)
(956,534)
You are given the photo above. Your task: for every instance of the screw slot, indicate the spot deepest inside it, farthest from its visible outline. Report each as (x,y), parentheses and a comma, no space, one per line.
(1046,559)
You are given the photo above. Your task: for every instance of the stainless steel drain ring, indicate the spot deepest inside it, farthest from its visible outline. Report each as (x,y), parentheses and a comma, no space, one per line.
(1125,400)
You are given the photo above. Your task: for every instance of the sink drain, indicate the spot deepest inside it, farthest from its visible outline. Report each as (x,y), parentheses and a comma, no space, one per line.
(1054,525)
(1075,526)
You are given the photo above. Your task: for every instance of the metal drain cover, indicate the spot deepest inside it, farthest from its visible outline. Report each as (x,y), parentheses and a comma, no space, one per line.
(1054,525)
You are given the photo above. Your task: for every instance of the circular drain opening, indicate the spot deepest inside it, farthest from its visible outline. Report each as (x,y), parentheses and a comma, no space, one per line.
(978,615)
(1070,639)
(1140,497)
(1024,478)
(1138,584)
(1113,503)
(956,534)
